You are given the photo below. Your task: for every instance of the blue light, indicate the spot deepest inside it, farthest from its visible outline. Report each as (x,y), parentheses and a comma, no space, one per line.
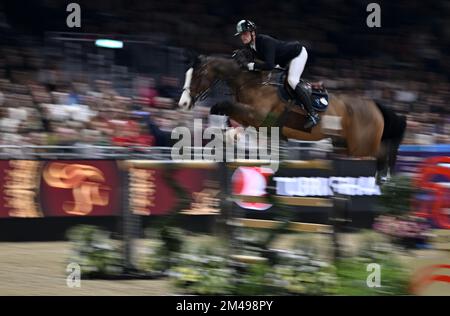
(108,43)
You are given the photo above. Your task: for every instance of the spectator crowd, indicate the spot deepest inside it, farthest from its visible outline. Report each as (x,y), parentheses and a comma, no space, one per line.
(50,98)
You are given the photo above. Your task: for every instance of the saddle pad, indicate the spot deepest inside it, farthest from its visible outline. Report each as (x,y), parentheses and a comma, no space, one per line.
(285,92)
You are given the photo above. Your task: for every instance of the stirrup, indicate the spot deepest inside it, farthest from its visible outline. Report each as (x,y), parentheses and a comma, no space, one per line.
(312,121)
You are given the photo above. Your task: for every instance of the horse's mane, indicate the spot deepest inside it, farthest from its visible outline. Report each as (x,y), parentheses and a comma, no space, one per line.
(228,67)
(226,56)
(224,65)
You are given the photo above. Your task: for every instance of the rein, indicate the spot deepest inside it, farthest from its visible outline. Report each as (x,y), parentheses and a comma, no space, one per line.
(203,94)
(266,82)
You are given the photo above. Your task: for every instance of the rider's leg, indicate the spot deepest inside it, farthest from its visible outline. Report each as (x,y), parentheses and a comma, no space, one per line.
(296,68)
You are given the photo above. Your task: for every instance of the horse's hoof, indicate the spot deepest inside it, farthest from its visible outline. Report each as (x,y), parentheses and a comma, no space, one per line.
(380,181)
(233,135)
(312,122)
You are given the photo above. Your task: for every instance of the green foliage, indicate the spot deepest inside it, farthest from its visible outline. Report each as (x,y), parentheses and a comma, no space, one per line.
(304,273)
(202,269)
(172,238)
(254,281)
(204,280)
(352,276)
(208,246)
(397,195)
(373,248)
(94,251)
(305,280)
(205,268)
(162,255)
(156,259)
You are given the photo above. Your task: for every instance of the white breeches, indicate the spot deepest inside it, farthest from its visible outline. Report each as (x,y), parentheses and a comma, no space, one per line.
(296,68)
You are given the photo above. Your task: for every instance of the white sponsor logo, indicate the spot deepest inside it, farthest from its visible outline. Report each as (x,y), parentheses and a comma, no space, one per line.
(321,186)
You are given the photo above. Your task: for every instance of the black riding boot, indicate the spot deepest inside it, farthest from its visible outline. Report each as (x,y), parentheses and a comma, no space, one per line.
(305,99)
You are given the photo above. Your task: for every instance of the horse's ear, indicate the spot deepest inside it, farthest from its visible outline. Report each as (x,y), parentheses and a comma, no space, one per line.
(189,56)
(193,58)
(199,60)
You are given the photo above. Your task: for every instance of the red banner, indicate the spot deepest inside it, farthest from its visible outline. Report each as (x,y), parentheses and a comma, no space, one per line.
(30,188)
(19,187)
(150,192)
(80,188)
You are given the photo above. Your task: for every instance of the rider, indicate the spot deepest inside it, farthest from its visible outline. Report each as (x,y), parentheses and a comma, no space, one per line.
(275,52)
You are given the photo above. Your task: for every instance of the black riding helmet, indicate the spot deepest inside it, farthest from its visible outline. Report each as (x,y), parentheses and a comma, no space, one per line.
(244,26)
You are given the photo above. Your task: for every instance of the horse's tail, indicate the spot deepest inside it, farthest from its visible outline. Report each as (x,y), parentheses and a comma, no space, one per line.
(404,125)
(393,134)
(394,124)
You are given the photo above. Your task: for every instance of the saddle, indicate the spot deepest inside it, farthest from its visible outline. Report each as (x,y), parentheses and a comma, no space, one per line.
(278,77)
(318,93)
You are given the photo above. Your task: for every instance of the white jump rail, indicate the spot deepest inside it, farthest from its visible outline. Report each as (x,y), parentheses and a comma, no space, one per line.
(272,224)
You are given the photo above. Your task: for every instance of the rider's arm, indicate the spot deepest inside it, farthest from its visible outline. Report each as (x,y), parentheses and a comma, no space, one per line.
(269,54)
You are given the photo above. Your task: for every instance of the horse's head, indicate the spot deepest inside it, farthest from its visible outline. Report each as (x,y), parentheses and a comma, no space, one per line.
(198,80)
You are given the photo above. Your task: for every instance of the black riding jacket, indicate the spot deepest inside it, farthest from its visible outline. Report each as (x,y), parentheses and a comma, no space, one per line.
(274,52)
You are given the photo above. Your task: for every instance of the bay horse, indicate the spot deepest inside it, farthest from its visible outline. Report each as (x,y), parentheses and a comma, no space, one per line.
(368,129)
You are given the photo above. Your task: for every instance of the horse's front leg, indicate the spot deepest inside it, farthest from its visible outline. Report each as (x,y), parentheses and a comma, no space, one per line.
(219,116)
(239,112)
(222,112)
(221,108)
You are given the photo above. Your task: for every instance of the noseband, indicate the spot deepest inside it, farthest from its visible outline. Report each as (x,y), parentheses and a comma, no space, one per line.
(202,95)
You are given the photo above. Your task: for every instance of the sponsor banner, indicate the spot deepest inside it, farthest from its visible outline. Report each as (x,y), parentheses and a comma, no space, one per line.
(64,188)
(58,188)
(151,191)
(19,188)
(80,188)
(349,177)
(326,186)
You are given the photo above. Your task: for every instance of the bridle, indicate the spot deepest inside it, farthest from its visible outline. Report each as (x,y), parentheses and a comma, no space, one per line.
(202,95)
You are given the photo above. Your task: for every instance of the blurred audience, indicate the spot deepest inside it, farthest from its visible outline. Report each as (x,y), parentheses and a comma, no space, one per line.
(48,98)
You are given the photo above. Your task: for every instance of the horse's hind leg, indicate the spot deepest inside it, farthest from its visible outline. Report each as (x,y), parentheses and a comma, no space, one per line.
(387,160)
(394,145)
(221,108)
(383,161)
